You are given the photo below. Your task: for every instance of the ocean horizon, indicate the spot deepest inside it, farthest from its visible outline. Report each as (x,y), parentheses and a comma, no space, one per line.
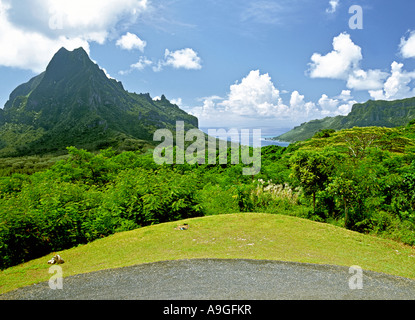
(266,133)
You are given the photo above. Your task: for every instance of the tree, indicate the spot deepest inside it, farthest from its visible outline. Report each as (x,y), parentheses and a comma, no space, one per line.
(311,169)
(346,190)
(324,133)
(359,140)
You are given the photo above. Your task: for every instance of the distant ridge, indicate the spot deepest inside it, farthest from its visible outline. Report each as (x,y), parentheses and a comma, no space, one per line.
(379,113)
(74,103)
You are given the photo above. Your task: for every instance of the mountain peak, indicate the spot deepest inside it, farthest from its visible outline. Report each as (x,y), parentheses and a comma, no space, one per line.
(79,52)
(62,50)
(65,56)
(73,103)
(72,66)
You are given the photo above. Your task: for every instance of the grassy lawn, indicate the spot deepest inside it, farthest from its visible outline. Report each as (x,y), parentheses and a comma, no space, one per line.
(248,236)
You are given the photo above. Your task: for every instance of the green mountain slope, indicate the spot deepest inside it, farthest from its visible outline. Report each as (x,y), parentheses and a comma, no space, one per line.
(74,103)
(372,113)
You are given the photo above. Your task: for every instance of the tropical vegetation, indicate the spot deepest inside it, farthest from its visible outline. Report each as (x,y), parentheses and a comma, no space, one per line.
(362,179)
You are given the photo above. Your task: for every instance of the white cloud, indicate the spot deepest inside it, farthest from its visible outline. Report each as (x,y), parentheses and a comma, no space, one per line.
(366,80)
(328,105)
(396,86)
(93,19)
(338,63)
(297,100)
(340,105)
(297,104)
(209,113)
(333,6)
(255,95)
(343,63)
(345,95)
(184,58)
(178,102)
(407,46)
(31,31)
(130,41)
(255,99)
(345,108)
(142,63)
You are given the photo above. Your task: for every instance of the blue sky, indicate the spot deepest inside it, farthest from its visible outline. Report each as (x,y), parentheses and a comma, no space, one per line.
(235,63)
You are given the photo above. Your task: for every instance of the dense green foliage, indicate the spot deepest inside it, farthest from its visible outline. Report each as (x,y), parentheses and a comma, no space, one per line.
(28,164)
(372,113)
(87,196)
(361,178)
(369,175)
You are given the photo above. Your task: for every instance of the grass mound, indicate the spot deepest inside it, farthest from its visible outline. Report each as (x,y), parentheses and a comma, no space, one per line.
(233,236)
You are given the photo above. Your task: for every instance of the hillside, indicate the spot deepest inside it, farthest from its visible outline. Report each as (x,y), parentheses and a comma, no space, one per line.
(231,236)
(73,103)
(388,114)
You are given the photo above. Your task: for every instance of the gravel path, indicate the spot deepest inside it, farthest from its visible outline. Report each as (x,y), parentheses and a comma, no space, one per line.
(211,279)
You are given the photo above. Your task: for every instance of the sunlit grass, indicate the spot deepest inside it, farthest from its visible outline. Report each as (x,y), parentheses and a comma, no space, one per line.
(233,236)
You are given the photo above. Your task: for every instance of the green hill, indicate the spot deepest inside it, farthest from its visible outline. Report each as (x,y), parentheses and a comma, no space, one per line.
(73,103)
(231,236)
(388,114)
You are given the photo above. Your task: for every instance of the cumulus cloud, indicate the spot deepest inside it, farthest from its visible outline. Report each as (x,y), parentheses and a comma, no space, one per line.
(31,31)
(366,80)
(338,63)
(397,85)
(340,105)
(298,104)
(407,46)
(253,98)
(297,100)
(328,105)
(130,41)
(345,95)
(184,58)
(256,98)
(343,63)
(209,112)
(255,95)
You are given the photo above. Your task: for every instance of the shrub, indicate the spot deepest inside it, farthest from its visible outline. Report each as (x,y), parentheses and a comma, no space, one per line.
(215,199)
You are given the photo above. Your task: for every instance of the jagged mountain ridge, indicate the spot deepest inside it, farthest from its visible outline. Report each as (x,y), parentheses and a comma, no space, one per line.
(74,103)
(378,113)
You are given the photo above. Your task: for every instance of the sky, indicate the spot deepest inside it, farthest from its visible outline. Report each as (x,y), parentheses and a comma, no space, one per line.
(236,63)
